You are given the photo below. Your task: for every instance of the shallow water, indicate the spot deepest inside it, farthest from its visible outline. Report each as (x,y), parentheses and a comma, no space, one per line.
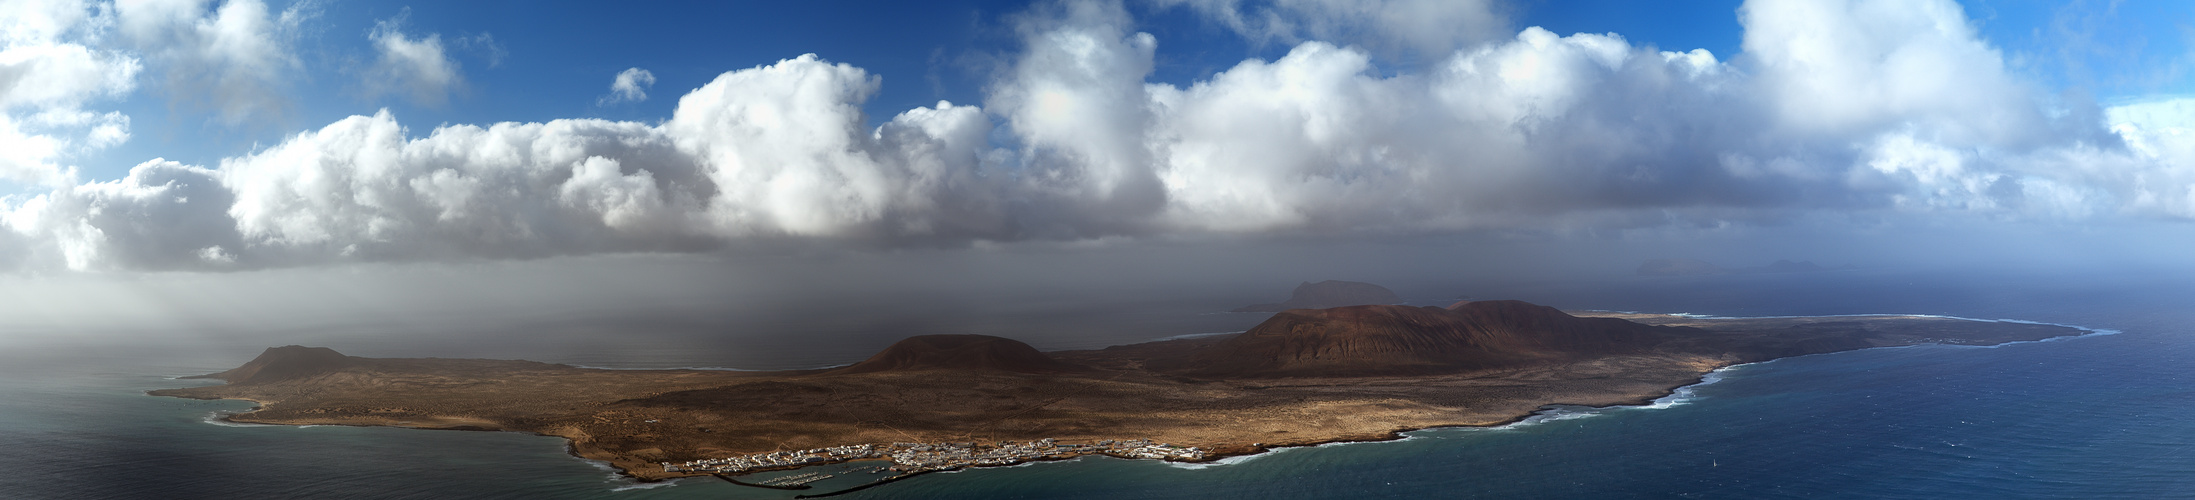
(2095,417)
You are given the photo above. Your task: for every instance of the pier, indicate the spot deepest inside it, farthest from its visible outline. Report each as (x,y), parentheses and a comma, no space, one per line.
(873,484)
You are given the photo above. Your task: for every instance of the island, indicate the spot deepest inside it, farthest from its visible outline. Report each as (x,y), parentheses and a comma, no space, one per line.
(944,402)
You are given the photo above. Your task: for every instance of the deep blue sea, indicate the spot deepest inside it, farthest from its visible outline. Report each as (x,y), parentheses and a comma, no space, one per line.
(2102,416)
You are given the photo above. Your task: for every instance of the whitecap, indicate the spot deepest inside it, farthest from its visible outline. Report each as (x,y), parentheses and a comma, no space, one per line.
(597,464)
(1688,393)
(1231,460)
(1018,465)
(1554,413)
(617,480)
(1406,436)
(220,418)
(636,486)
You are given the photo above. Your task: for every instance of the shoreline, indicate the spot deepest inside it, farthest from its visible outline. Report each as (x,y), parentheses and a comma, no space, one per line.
(1657,399)
(1403,434)
(1647,404)
(1218,459)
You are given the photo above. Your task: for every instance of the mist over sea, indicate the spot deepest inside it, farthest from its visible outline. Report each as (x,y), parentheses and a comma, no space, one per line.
(2102,416)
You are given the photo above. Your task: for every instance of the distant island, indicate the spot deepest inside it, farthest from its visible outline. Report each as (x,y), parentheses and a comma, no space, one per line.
(1695,267)
(1330,293)
(943,402)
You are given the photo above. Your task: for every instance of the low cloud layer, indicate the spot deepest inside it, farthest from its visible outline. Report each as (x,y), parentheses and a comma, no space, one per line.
(1882,108)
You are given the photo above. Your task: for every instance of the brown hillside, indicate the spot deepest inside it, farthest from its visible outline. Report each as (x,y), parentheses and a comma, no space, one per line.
(1404,340)
(284,363)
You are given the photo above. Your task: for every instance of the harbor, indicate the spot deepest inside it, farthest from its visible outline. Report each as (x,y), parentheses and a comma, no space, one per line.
(913,459)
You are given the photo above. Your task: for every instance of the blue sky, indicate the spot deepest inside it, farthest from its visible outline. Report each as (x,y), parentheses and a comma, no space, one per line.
(327,132)
(555,59)
(558,58)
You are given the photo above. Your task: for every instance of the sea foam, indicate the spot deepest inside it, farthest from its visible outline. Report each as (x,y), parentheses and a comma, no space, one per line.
(630,485)
(221,418)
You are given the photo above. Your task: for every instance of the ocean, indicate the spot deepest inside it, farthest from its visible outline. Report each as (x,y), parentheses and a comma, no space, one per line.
(2108,415)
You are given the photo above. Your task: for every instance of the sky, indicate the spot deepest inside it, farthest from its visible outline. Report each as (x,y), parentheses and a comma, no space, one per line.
(239,141)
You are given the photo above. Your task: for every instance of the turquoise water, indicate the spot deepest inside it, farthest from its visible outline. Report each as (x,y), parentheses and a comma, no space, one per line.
(2109,416)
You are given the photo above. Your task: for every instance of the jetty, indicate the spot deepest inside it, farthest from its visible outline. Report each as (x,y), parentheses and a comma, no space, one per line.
(765,484)
(873,484)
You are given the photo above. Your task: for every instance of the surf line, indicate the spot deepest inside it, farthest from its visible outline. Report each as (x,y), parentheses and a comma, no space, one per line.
(801,486)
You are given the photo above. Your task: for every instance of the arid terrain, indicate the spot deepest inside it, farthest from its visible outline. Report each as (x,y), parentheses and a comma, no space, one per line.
(1303,377)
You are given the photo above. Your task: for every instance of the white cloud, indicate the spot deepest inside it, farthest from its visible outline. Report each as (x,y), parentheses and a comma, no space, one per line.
(629,85)
(771,152)
(163,215)
(418,68)
(234,58)
(2160,170)
(48,73)
(41,74)
(785,149)
(360,188)
(1889,109)
(38,21)
(1077,102)
(1847,66)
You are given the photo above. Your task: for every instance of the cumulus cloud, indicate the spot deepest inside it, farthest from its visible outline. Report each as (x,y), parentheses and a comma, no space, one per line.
(2159,170)
(1078,103)
(629,85)
(768,152)
(234,58)
(47,75)
(418,68)
(163,215)
(1893,109)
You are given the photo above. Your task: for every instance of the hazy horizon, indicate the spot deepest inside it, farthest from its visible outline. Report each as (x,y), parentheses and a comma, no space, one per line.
(328,170)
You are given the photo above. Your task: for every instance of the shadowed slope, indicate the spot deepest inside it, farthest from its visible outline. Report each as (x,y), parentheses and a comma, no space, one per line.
(284,363)
(959,352)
